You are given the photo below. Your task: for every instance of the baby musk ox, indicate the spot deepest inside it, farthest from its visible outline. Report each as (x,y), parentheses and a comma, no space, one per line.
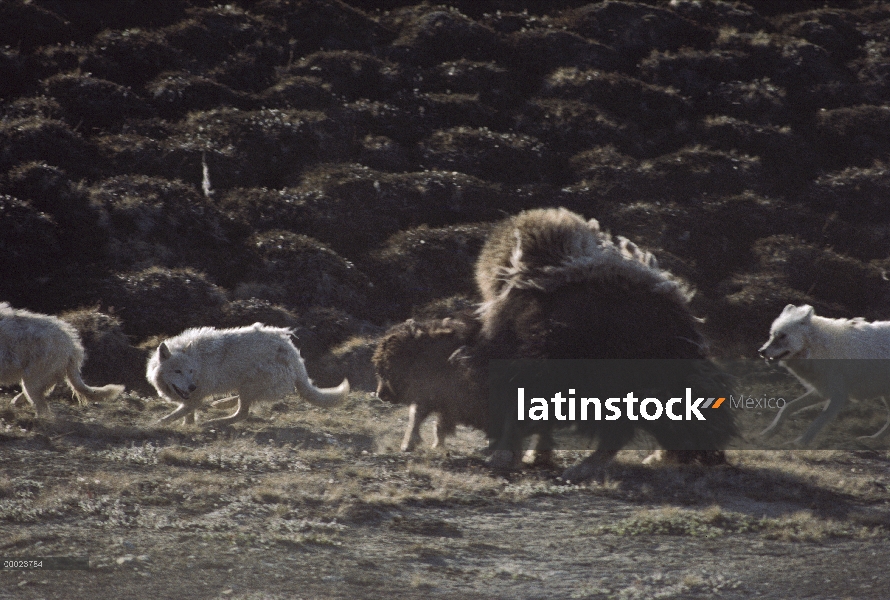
(40,351)
(555,286)
(258,363)
(418,363)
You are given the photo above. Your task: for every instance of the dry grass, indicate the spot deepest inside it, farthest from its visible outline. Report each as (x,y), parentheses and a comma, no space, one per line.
(295,466)
(800,526)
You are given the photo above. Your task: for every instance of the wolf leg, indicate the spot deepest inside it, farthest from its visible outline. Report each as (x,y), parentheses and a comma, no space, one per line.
(812,407)
(227,402)
(808,399)
(240,413)
(183,410)
(883,430)
(835,405)
(35,392)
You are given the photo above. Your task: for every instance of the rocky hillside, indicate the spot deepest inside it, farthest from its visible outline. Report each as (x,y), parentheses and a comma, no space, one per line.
(335,166)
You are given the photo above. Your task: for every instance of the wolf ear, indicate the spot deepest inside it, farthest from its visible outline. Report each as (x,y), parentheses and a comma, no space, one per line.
(789,308)
(807,311)
(163,351)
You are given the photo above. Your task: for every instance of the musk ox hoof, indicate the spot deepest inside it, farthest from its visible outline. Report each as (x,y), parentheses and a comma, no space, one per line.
(405,447)
(536,458)
(657,457)
(582,472)
(704,458)
(503,459)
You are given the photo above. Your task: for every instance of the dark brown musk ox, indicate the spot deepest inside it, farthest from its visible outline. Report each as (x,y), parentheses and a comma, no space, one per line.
(425,364)
(418,364)
(554,286)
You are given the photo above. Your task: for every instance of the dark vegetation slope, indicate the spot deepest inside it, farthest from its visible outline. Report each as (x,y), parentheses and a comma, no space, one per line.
(355,156)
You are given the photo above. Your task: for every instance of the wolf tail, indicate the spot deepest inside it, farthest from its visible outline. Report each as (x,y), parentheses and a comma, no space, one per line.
(86,393)
(324,397)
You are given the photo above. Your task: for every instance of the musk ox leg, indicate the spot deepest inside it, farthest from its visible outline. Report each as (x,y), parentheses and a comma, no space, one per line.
(412,439)
(658,456)
(506,452)
(541,455)
(706,458)
(504,459)
(444,428)
(590,466)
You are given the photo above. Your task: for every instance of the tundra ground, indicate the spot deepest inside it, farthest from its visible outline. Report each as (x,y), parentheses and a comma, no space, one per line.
(302,502)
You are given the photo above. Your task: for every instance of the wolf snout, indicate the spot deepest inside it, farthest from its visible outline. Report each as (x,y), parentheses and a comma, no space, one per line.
(183,393)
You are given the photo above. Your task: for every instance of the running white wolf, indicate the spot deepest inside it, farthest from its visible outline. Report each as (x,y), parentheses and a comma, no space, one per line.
(799,338)
(40,351)
(257,363)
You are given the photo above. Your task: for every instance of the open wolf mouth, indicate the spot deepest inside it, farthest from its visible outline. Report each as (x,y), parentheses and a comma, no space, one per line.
(781,356)
(182,394)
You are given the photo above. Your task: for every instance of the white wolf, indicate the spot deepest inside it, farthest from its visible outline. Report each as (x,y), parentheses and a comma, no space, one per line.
(256,363)
(40,351)
(799,338)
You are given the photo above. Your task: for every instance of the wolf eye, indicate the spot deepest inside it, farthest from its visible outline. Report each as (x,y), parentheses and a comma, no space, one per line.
(780,336)
(178,371)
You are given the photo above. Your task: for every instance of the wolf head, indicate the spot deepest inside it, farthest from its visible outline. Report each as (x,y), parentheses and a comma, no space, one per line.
(175,373)
(788,336)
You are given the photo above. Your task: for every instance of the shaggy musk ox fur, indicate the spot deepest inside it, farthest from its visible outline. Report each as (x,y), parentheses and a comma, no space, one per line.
(417,365)
(522,248)
(556,287)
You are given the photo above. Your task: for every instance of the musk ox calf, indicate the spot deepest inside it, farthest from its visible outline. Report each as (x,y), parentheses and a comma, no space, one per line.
(418,364)
(555,286)
(40,351)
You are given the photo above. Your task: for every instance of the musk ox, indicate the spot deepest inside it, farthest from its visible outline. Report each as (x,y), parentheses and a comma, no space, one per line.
(418,364)
(555,286)
(522,248)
